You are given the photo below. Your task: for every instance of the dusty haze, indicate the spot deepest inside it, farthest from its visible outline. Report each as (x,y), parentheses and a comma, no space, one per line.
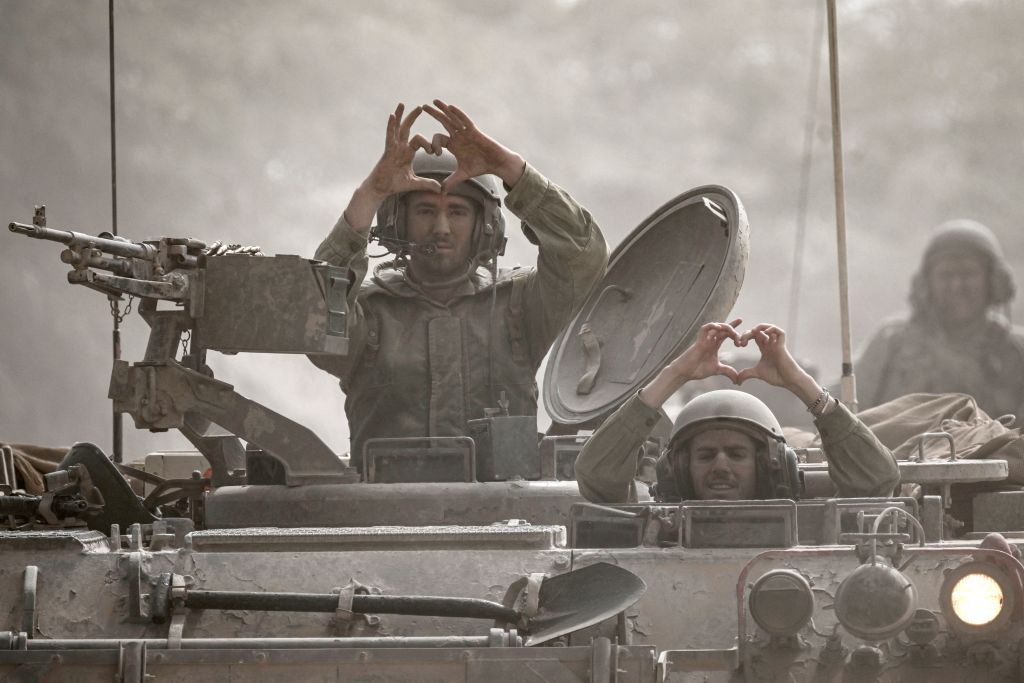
(253,122)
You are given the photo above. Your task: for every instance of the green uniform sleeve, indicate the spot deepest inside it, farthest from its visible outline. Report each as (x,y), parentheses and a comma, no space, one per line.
(571,260)
(344,246)
(872,367)
(606,467)
(858,463)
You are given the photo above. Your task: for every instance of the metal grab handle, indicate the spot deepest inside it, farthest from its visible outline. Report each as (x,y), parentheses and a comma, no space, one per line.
(591,360)
(591,344)
(942,435)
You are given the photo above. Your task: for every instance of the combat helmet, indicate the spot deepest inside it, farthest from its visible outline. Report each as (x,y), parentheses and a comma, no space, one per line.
(488,236)
(964,233)
(777,475)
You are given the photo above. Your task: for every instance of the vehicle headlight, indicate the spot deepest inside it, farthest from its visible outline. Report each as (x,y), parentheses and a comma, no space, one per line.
(876,601)
(781,602)
(977,597)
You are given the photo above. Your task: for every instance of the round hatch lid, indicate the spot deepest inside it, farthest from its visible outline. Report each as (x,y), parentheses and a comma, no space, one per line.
(681,268)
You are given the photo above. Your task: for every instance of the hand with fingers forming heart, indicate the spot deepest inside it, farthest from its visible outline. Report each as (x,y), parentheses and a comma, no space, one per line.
(701,359)
(776,365)
(476,152)
(393,171)
(698,361)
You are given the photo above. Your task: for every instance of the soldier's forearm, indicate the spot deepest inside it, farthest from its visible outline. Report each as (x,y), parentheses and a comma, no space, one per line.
(362,208)
(664,384)
(511,169)
(805,388)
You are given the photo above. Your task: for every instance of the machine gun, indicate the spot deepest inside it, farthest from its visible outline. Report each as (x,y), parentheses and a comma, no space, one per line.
(230,303)
(156,269)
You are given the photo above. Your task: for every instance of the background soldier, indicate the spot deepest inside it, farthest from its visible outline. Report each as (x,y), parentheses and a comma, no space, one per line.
(954,339)
(441,335)
(726,444)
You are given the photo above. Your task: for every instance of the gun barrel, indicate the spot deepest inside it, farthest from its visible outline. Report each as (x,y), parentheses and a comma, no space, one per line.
(78,239)
(40,233)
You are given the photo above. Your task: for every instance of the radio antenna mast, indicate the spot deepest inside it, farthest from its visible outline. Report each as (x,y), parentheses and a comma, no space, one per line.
(848,385)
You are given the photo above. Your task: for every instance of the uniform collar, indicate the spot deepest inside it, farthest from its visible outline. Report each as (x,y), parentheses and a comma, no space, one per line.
(396,282)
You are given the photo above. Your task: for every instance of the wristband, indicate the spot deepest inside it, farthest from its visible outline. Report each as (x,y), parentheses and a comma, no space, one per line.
(818,407)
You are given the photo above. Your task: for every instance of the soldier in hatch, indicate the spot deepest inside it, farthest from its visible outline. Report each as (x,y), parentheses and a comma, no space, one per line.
(955,340)
(442,335)
(726,444)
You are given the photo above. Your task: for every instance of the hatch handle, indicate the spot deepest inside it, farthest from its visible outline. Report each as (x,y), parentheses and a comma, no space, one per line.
(591,344)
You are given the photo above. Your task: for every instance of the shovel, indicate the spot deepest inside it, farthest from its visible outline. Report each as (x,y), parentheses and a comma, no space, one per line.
(566,602)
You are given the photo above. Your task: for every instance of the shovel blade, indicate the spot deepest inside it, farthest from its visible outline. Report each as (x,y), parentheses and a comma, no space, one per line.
(581,598)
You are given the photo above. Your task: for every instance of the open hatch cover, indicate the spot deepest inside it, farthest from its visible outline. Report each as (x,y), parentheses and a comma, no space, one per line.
(681,268)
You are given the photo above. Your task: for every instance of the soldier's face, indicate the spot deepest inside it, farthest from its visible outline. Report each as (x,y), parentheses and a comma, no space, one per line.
(723,465)
(445,223)
(958,283)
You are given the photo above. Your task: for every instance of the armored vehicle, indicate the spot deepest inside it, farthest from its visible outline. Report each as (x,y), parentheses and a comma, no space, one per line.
(471,558)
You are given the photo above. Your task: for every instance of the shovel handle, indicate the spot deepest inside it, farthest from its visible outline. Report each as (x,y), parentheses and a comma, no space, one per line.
(417,605)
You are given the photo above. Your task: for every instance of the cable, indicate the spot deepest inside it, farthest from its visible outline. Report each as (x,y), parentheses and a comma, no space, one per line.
(796,281)
(117,425)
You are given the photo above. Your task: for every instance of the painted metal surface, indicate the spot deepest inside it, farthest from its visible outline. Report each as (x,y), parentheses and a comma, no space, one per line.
(694,602)
(600,662)
(682,267)
(406,504)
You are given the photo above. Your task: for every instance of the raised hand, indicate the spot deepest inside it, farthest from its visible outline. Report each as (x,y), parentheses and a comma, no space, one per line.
(776,366)
(475,152)
(700,359)
(393,171)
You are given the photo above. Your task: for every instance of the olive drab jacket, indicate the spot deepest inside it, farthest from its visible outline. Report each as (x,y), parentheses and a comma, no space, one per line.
(419,368)
(915,354)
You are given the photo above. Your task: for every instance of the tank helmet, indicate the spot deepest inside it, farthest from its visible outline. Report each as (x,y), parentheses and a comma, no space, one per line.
(964,234)
(488,237)
(736,410)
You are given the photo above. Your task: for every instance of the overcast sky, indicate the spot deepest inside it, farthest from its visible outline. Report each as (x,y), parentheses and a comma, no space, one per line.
(254,121)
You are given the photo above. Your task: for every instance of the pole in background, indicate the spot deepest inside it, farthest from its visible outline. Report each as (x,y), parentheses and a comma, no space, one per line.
(796,277)
(118,427)
(848,383)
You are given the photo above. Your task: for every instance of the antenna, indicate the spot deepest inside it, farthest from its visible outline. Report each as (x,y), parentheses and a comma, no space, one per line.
(118,427)
(848,383)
